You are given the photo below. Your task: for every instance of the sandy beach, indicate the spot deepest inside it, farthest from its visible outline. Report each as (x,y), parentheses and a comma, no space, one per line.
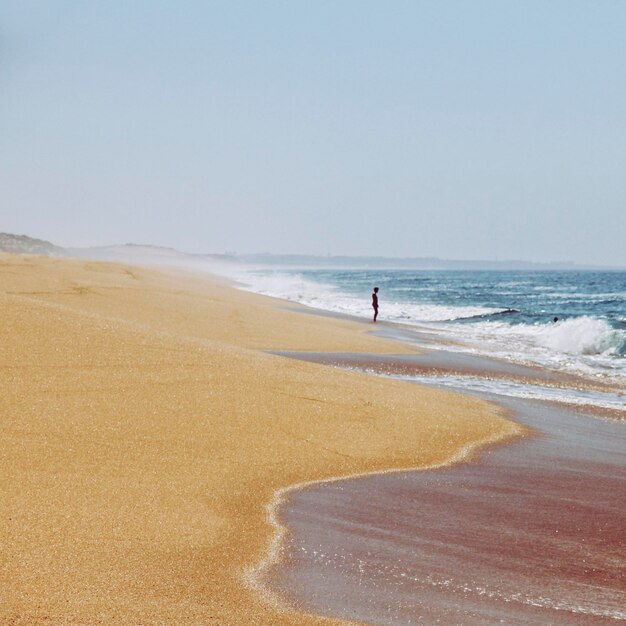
(145,431)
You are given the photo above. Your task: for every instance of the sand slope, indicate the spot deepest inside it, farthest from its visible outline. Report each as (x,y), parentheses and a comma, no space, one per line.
(144,432)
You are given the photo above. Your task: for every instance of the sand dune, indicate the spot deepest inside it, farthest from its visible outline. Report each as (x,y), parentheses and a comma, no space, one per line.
(145,430)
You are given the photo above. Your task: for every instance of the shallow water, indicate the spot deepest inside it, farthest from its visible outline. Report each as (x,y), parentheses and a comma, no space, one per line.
(530,532)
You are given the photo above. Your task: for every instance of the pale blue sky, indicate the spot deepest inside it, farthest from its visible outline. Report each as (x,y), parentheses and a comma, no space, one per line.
(454,129)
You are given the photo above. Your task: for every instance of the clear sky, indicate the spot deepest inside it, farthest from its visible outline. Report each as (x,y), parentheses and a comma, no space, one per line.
(467,129)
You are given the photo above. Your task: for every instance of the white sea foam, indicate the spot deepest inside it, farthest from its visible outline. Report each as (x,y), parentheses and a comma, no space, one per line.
(500,387)
(577,336)
(582,335)
(583,345)
(295,288)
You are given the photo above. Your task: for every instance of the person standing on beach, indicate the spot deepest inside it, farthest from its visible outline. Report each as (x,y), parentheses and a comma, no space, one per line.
(375,302)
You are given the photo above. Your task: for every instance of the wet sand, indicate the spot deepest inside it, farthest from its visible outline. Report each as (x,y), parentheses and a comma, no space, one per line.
(531,532)
(446,362)
(431,366)
(145,429)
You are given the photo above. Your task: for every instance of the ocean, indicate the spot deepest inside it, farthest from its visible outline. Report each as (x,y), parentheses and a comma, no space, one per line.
(530,532)
(503,314)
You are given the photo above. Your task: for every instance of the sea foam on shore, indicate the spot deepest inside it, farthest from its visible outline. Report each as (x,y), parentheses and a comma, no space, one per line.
(504,314)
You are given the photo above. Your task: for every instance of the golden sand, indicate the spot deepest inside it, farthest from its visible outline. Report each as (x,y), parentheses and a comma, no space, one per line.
(144,433)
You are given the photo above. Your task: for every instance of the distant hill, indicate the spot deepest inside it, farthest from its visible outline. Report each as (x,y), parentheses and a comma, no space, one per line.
(127,251)
(356,262)
(21,244)
(145,253)
(417,263)
(161,255)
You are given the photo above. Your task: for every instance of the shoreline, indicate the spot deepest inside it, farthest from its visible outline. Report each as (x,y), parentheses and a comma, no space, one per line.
(142,409)
(432,367)
(582,345)
(330,565)
(254,575)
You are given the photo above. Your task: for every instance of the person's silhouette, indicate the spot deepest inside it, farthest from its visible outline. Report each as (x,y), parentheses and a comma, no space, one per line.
(375,302)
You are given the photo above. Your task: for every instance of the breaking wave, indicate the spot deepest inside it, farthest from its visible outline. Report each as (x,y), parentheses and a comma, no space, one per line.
(582,344)
(577,336)
(583,335)
(295,288)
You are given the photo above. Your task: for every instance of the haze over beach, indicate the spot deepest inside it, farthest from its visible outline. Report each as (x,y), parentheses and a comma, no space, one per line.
(435,129)
(223,421)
